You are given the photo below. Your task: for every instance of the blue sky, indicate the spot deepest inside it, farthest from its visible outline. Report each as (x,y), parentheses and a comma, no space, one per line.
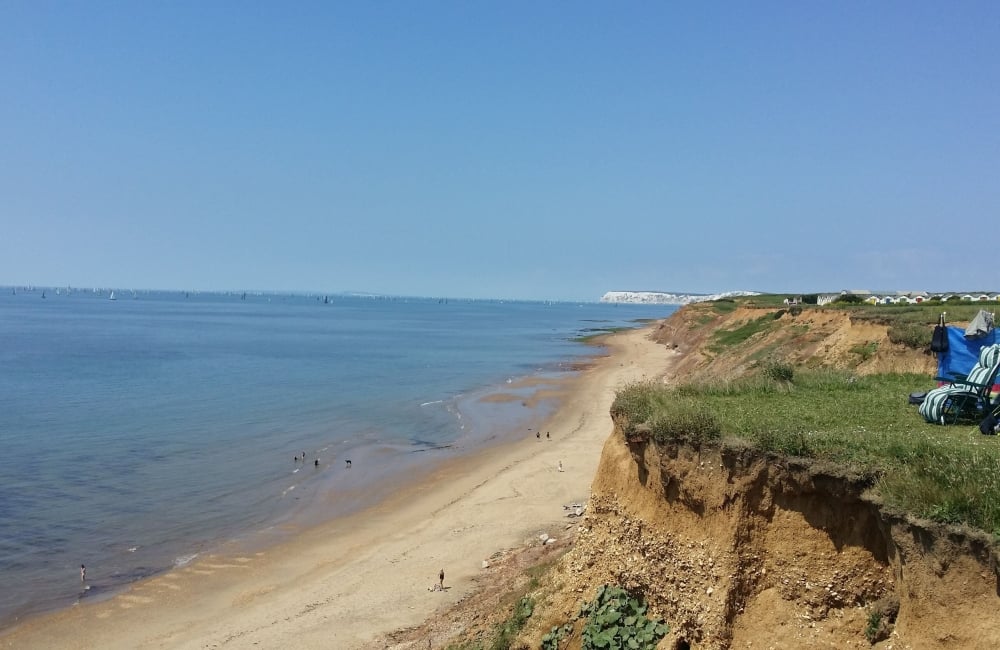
(506,149)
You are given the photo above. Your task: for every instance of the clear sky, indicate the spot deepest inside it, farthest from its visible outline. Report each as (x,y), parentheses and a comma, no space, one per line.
(500,149)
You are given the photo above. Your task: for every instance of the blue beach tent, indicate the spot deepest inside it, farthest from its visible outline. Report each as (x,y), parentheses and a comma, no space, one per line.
(963,352)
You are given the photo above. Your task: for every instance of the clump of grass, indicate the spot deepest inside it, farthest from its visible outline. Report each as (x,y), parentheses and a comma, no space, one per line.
(635,404)
(724,305)
(865,350)
(535,573)
(946,474)
(506,632)
(778,371)
(722,339)
(912,335)
(874,623)
(881,618)
(686,421)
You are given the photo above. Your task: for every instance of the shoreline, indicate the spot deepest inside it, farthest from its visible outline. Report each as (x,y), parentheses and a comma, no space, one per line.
(342,583)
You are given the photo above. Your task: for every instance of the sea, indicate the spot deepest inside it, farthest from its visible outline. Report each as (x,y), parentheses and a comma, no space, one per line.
(139,432)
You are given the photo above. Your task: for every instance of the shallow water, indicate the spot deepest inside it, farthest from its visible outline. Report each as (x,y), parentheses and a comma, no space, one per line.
(137,433)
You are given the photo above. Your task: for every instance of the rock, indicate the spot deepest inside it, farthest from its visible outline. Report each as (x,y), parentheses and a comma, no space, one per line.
(551,540)
(486,564)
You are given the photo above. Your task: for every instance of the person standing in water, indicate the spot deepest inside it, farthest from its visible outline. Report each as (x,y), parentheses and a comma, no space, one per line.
(83,573)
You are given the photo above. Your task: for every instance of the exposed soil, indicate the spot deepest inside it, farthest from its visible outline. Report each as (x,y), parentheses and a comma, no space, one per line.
(735,549)
(813,337)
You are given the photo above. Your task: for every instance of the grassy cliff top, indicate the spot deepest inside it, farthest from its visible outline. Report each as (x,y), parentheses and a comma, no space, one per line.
(823,384)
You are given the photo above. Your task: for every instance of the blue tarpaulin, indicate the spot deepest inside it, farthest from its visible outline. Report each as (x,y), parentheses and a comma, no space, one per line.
(962,353)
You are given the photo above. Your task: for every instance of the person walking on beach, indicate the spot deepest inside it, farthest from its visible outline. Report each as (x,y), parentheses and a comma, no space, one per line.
(441,580)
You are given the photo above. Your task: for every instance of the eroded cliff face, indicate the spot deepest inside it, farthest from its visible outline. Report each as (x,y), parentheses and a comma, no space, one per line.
(735,549)
(812,337)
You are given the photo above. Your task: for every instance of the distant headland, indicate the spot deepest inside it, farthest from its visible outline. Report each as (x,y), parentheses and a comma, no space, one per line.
(663,298)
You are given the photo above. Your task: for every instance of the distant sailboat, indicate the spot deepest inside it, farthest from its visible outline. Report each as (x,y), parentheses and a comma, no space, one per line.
(112,296)
(43,294)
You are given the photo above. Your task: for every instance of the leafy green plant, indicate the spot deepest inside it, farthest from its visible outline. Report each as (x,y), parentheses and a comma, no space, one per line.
(550,641)
(871,630)
(617,620)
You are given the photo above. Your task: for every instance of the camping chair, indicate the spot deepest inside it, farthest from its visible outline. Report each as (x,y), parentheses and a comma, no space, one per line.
(964,398)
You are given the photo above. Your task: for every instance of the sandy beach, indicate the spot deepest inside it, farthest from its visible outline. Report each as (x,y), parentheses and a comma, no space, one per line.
(341,584)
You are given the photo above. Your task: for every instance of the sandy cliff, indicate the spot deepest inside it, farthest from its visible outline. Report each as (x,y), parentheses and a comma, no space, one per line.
(736,549)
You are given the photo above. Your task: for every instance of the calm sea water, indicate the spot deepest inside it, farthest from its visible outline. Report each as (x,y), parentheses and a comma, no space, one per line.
(139,432)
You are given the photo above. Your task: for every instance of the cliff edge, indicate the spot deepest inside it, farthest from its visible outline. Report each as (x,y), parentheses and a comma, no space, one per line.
(739,549)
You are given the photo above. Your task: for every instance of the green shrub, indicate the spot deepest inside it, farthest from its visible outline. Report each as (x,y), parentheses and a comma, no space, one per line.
(874,623)
(778,371)
(635,404)
(687,422)
(615,619)
(558,632)
(865,350)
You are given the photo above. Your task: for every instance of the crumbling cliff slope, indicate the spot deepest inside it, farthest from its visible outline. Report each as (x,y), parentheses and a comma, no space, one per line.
(738,549)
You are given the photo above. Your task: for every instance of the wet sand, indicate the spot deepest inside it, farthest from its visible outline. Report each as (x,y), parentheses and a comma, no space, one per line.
(340,584)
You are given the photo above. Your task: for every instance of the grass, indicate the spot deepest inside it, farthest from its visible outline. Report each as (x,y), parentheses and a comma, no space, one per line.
(946,474)
(865,350)
(724,306)
(925,313)
(522,605)
(722,339)
(909,325)
(503,634)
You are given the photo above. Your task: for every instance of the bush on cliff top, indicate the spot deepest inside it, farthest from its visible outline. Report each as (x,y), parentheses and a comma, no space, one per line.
(946,474)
